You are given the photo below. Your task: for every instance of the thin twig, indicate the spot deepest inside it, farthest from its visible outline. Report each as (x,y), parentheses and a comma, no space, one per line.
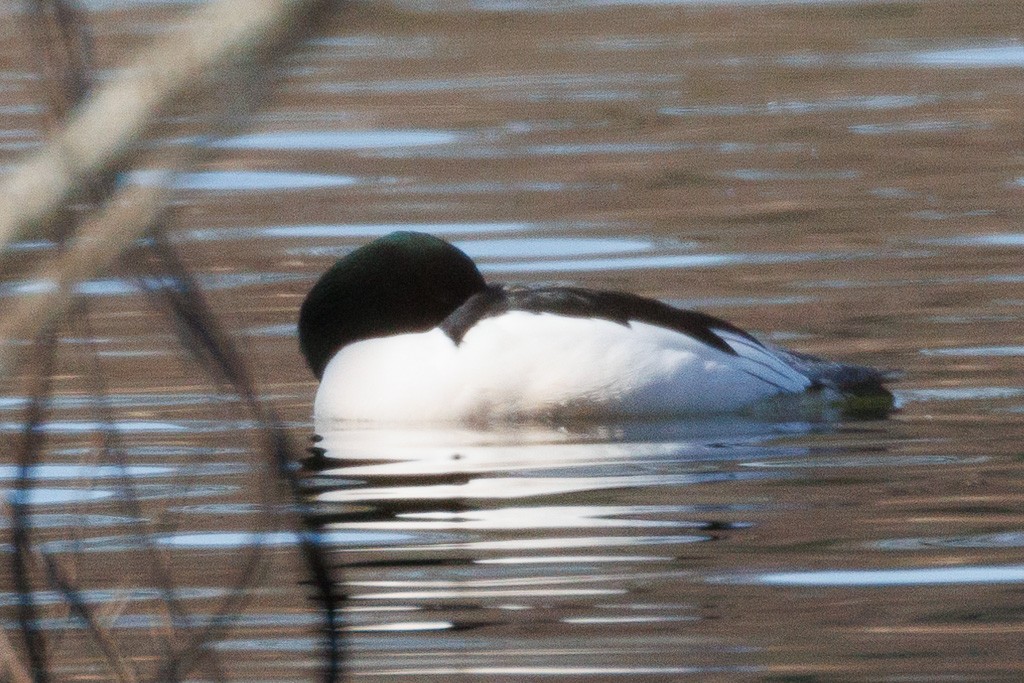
(109,124)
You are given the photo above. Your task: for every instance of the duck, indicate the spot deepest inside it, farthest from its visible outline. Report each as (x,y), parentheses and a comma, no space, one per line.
(405,329)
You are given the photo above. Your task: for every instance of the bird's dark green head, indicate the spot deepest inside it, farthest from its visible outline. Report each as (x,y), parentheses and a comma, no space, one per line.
(404,282)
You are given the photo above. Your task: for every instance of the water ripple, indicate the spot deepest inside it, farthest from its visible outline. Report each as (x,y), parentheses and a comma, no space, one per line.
(976,351)
(801,107)
(871,461)
(359,231)
(245,181)
(1006,539)
(546,517)
(520,487)
(341,140)
(224,540)
(930,576)
(959,394)
(87,472)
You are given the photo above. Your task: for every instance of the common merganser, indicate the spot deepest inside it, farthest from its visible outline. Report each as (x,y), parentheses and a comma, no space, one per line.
(406,330)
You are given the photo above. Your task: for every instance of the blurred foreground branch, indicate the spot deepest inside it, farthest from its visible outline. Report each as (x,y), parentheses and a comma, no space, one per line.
(107,126)
(76,182)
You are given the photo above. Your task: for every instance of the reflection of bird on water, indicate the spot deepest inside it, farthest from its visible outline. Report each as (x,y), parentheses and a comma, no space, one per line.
(405,329)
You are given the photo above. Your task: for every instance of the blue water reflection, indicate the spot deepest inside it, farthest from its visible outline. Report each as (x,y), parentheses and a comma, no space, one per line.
(128,287)
(928,126)
(976,351)
(755,175)
(77,471)
(55,496)
(224,540)
(993,54)
(1011,239)
(804,107)
(930,576)
(246,181)
(545,247)
(997,56)
(961,394)
(340,140)
(353,231)
(85,427)
(660,259)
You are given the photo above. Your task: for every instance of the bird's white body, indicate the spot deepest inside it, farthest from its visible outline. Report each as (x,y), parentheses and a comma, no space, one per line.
(524,365)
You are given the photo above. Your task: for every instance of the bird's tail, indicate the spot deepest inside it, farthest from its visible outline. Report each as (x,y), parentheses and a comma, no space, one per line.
(859,390)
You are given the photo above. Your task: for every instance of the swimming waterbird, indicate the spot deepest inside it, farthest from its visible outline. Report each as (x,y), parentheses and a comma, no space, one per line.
(406,329)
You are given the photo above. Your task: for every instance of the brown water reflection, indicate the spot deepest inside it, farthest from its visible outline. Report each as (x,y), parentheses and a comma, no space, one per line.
(843,178)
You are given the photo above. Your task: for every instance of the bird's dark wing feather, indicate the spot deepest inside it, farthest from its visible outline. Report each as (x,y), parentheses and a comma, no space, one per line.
(578,302)
(854,380)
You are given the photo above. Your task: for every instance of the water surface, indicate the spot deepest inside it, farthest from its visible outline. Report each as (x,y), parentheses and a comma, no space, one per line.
(839,177)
